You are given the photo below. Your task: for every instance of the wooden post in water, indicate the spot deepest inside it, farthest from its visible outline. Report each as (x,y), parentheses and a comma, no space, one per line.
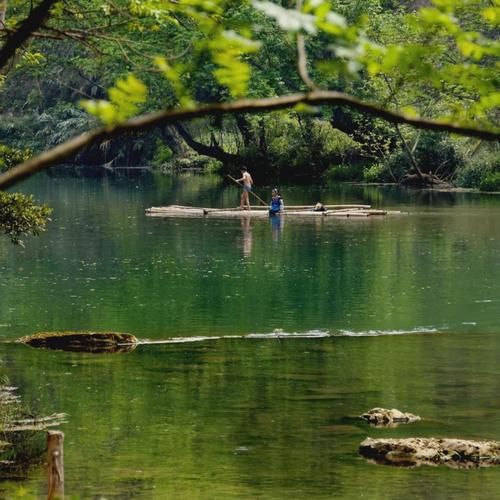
(55,465)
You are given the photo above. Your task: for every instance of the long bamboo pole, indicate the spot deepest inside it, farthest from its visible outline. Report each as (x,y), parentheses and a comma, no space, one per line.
(251,192)
(329,207)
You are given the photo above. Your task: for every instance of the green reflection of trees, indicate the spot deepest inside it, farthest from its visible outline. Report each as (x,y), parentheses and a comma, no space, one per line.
(168,277)
(240,418)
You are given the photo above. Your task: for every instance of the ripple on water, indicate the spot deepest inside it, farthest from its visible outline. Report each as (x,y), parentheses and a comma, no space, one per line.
(377,333)
(281,334)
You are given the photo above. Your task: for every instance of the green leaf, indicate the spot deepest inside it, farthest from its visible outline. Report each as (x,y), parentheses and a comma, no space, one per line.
(492,15)
(19,216)
(288,20)
(173,74)
(228,49)
(124,101)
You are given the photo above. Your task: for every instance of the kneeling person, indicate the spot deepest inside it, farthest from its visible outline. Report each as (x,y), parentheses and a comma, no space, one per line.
(277,204)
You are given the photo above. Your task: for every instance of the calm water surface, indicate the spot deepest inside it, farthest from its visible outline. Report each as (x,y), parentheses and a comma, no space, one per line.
(400,311)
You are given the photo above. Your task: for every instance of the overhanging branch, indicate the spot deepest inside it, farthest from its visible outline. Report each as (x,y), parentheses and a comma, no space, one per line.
(214,150)
(145,122)
(28,26)
(302,57)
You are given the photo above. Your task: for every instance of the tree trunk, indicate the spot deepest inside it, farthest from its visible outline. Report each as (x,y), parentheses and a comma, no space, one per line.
(174,141)
(262,137)
(245,130)
(343,121)
(214,150)
(3,13)
(411,157)
(22,34)
(362,133)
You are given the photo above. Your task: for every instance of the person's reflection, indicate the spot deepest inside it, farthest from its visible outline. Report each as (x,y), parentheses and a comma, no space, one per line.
(247,236)
(277,223)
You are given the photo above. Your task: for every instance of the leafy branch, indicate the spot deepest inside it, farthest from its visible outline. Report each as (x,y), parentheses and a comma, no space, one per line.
(15,39)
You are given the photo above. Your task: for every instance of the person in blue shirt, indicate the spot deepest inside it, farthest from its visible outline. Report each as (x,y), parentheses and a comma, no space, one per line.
(277,206)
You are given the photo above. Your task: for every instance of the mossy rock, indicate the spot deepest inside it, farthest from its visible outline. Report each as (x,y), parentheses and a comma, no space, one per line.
(382,417)
(94,342)
(412,452)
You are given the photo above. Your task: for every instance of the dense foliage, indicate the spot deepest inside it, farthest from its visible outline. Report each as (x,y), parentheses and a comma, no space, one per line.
(436,61)
(19,216)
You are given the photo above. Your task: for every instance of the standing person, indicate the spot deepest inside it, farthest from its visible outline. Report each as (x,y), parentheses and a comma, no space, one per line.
(247,181)
(277,204)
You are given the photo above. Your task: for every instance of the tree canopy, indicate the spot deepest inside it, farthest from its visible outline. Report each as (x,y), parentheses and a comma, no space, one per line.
(133,65)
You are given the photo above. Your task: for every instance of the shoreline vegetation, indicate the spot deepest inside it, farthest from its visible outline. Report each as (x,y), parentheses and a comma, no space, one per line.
(338,161)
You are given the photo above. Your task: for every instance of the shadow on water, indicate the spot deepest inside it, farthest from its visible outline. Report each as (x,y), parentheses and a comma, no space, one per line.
(99,172)
(91,342)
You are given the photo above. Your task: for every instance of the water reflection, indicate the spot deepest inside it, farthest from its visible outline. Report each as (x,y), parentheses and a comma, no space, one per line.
(277,224)
(247,236)
(261,417)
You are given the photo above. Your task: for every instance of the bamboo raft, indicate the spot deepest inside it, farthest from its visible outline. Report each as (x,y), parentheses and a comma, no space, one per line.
(263,211)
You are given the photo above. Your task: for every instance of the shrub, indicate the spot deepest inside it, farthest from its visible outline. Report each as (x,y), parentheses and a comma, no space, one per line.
(375,173)
(331,142)
(438,153)
(19,216)
(344,173)
(471,175)
(194,162)
(212,166)
(476,171)
(162,154)
(12,156)
(397,162)
(491,182)
(307,146)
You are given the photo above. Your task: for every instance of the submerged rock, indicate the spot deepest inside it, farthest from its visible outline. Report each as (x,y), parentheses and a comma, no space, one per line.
(94,342)
(412,452)
(381,417)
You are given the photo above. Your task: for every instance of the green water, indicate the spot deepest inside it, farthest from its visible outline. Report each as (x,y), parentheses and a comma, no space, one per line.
(400,311)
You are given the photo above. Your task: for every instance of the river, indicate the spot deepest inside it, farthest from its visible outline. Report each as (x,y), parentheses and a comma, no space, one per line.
(279,336)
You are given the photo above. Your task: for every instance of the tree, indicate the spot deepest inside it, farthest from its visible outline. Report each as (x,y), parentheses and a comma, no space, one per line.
(19,216)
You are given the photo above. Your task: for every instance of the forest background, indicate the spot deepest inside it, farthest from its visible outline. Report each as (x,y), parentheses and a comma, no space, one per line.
(405,73)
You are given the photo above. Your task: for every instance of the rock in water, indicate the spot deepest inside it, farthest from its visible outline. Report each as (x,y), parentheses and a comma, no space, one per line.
(381,417)
(94,342)
(411,452)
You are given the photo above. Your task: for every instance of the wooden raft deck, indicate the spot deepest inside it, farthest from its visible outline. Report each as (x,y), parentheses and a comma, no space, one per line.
(291,211)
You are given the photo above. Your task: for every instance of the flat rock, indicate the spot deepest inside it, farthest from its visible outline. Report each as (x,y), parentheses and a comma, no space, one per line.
(381,417)
(412,452)
(94,342)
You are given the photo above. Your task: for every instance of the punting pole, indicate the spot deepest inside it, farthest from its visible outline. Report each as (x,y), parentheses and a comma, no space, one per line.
(251,192)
